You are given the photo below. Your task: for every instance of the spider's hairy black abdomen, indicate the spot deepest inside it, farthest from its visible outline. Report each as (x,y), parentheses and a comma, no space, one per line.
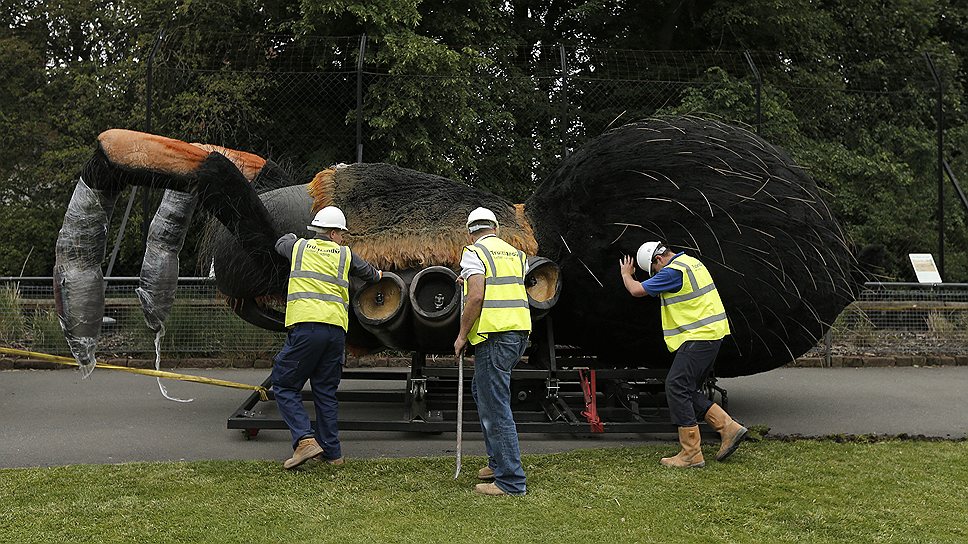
(722,194)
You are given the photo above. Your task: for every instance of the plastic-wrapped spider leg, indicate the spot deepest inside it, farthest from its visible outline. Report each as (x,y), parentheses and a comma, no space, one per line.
(217,178)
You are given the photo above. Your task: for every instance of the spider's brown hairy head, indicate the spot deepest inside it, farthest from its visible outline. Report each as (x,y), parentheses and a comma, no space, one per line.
(400,218)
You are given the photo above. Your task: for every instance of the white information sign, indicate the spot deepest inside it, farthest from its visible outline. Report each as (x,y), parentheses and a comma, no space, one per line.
(924,267)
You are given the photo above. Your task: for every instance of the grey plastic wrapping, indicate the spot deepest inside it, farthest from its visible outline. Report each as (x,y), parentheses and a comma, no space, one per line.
(159,270)
(78,280)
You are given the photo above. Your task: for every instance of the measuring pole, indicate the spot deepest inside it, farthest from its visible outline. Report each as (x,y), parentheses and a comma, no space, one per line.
(460,395)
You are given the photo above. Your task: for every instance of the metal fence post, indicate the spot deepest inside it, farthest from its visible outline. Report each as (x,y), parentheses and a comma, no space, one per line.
(940,112)
(134,188)
(359,100)
(564,100)
(149,83)
(759,89)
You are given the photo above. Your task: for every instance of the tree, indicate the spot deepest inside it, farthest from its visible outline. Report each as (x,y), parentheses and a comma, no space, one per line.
(64,75)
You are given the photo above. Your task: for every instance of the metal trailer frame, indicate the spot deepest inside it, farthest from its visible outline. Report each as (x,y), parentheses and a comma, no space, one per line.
(556,390)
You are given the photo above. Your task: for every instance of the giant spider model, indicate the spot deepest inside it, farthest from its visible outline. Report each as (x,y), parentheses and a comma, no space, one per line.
(717,191)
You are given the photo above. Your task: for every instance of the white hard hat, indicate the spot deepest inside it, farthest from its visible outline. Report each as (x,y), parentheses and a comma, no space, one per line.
(484,218)
(647,252)
(329,217)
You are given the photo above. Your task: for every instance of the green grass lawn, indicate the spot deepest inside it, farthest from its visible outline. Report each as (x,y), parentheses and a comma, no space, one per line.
(770,491)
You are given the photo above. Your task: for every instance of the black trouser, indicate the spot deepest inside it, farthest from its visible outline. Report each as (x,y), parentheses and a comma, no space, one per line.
(694,360)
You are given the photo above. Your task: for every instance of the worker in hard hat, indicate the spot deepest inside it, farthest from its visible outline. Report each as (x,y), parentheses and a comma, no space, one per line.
(316,320)
(694,324)
(496,321)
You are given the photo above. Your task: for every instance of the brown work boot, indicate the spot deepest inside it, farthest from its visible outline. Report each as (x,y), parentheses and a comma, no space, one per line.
(306,449)
(486,473)
(337,461)
(489,489)
(690,456)
(732,433)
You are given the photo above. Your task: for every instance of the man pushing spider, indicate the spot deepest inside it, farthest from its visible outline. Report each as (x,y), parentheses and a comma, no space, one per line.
(316,320)
(693,324)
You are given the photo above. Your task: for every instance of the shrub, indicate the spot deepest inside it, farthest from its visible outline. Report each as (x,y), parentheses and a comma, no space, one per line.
(12,330)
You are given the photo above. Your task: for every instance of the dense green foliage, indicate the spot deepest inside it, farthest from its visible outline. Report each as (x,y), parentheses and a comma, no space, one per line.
(771,491)
(475,90)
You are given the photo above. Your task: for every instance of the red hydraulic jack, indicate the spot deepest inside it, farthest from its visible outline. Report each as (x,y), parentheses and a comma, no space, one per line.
(591,403)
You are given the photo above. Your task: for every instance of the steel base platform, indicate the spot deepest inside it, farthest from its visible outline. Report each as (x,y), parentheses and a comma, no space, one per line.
(550,393)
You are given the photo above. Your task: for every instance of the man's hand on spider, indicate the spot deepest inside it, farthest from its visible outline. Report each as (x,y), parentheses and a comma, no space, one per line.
(627,266)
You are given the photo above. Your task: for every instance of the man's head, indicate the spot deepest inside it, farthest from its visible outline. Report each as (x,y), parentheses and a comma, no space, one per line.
(330,222)
(481,221)
(653,256)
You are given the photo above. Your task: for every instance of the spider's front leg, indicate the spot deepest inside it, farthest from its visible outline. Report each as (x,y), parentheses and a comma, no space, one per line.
(217,178)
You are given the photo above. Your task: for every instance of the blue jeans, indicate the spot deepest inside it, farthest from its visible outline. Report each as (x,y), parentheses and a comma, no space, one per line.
(694,359)
(314,352)
(491,387)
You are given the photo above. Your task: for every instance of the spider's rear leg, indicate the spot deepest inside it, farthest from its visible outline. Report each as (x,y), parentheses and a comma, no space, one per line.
(189,173)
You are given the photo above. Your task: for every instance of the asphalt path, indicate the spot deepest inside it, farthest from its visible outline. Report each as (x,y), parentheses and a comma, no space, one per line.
(53,417)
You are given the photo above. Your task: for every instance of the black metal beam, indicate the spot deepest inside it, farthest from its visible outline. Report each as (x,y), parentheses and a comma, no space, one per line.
(535,414)
(359,99)
(954,181)
(940,112)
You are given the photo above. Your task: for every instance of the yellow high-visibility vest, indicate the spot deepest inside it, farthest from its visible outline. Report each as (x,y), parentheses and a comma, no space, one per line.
(695,312)
(319,285)
(505,298)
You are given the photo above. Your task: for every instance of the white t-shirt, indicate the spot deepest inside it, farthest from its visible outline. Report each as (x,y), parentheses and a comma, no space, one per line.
(471,264)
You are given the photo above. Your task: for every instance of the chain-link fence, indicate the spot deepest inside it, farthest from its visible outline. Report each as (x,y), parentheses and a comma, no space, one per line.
(200,324)
(902,319)
(270,95)
(501,117)
(316,101)
(887,319)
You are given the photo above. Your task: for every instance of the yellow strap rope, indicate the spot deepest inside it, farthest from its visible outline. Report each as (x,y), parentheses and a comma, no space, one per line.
(263,394)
